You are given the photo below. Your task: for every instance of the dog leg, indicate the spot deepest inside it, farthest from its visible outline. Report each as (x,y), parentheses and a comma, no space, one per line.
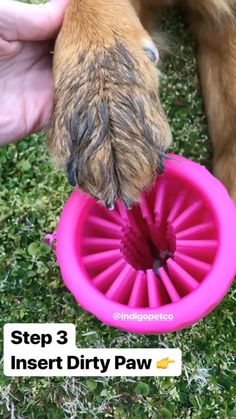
(216,36)
(107,129)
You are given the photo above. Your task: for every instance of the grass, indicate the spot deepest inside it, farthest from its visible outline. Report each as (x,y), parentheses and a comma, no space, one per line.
(31,198)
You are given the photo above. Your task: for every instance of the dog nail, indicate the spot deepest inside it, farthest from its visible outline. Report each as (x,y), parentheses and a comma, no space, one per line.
(71,173)
(152,52)
(128,203)
(161,167)
(110,205)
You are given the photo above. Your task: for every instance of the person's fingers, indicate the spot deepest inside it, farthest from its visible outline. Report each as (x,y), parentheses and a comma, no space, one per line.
(8,49)
(31,22)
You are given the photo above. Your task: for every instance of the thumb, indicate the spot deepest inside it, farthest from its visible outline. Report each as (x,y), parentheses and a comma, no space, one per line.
(31,22)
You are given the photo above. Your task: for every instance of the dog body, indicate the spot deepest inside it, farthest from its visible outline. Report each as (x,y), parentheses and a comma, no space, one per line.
(108,128)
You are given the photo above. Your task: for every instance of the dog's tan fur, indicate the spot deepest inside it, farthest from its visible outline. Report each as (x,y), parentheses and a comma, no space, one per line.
(108,128)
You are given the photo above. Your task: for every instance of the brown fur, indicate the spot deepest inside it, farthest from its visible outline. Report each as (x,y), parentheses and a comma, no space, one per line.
(108,129)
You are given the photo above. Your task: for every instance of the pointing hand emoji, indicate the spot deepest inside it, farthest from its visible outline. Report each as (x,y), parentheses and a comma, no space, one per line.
(163,364)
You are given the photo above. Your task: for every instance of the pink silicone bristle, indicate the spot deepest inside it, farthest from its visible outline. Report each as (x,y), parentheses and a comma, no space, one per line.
(197,268)
(199,231)
(99,210)
(168,284)
(115,217)
(146,211)
(133,224)
(160,201)
(134,258)
(156,236)
(128,218)
(139,295)
(102,259)
(137,214)
(171,236)
(157,295)
(139,246)
(136,240)
(122,210)
(99,244)
(112,229)
(177,206)
(183,281)
(104,279)
(158,231)
(201,249)
(188,217)
(121,288)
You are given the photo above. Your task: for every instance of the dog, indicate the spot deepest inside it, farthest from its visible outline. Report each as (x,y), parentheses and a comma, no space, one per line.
(108,129)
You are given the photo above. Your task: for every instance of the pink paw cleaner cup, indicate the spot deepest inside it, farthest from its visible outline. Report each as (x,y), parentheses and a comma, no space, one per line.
(159,267)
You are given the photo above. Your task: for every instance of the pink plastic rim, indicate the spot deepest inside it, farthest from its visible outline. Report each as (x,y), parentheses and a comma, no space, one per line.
(74,256)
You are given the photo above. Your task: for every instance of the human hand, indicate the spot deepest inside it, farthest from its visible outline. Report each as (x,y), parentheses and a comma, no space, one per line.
(26,83)
(163,363)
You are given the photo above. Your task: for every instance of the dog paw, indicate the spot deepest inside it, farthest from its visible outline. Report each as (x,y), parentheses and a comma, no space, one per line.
(108,129)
